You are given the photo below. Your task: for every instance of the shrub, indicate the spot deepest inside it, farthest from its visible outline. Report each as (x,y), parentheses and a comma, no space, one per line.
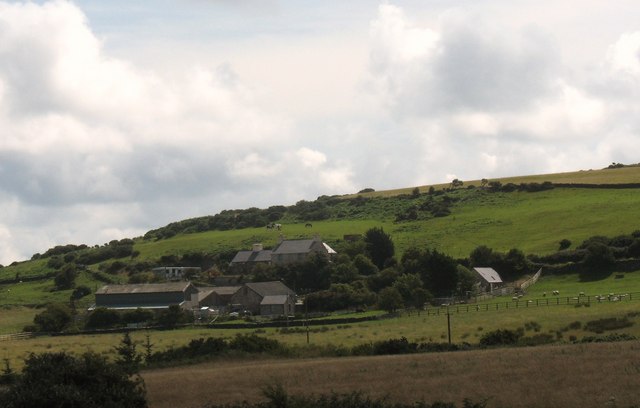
(611,323)
(394,346)
(103,318)
(80,292)
(536,340)
(500,337)
(250,343)
(55,318)
(564,244)
(277,397)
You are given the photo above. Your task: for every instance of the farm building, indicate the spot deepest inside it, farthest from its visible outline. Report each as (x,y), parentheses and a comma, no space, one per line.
(255,256)
(218,297)
(268,298)
(293,251)
(147,295)
(274,298)
(173,273)
(286,252)
(489,278)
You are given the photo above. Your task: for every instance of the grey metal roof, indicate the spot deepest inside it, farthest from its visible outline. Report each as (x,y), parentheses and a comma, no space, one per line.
(489,274)
(144,288)
(274,300)
(272,288)
(252,256)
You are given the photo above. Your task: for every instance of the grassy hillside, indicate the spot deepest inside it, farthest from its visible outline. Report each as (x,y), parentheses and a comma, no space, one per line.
(533,222)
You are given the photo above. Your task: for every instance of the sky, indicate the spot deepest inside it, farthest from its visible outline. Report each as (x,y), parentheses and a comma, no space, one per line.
(119,117)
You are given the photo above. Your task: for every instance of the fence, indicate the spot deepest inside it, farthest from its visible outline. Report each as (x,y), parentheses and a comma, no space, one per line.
(531,281)
(16,336)
(518,303)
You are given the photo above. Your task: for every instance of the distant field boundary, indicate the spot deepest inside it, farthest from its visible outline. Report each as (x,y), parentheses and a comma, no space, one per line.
(516,303)
(587,185)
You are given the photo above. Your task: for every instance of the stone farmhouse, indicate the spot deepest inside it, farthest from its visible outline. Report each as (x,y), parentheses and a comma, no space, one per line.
(259,298)
(285,252)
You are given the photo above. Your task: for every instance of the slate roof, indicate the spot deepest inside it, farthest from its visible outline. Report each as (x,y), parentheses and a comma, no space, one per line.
(274,300)
(220,290)
(297,246)
(144,288)
(252,256)
(489,274)
(274,288)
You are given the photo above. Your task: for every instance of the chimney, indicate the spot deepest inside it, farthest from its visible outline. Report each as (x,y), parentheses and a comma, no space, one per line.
(257,247)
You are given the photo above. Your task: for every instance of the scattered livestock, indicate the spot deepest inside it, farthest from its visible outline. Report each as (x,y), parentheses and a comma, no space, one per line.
(308,225)
(271,225)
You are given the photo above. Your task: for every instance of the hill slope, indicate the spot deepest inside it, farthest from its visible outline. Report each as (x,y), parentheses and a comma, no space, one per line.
(452,221)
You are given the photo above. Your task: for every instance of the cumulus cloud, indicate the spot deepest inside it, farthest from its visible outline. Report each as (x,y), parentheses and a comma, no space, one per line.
(485,99)
(87,131)
(99,141)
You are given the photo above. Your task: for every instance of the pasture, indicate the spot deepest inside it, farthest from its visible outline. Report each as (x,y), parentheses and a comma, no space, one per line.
(557,321)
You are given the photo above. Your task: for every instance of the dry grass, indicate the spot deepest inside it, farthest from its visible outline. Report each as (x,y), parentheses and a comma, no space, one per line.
(553,376)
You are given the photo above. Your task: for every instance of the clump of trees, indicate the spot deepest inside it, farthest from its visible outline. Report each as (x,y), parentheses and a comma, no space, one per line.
(63,380)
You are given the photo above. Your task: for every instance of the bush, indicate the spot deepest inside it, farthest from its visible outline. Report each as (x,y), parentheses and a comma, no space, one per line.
(250,343)
(611,323)
(500,337)
(277,397)
(394,346)
(103,318)
(55,318)
(80,292)
(564,244)
(599,256)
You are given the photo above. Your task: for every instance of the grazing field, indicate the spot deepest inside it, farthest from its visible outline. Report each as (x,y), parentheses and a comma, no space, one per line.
(557,321)
(585,375)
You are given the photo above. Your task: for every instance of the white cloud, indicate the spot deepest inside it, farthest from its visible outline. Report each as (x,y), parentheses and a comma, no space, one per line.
(311,158)
(624,55)
(112,126)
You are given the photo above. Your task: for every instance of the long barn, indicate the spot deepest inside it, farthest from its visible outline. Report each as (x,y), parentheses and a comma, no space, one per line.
(147,295)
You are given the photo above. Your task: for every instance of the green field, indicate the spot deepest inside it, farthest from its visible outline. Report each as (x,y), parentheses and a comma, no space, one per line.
(466,327)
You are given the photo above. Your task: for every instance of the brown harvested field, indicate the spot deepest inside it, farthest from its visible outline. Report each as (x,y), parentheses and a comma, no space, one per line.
(583,376)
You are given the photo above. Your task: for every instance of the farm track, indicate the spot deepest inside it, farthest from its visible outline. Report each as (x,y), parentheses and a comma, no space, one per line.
(581,375)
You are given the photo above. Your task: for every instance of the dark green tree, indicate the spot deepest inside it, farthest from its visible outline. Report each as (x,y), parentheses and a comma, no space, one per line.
(174,316)
(66,277)
(564,244)
(80,292)
(390,299)
(481,256)
(364,265)
(379,246)
(52,380)
(103,318)
(128,358)
(599,256)
(55,318)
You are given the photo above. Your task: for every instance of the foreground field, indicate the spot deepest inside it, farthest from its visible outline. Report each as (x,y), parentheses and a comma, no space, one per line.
(590,375)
